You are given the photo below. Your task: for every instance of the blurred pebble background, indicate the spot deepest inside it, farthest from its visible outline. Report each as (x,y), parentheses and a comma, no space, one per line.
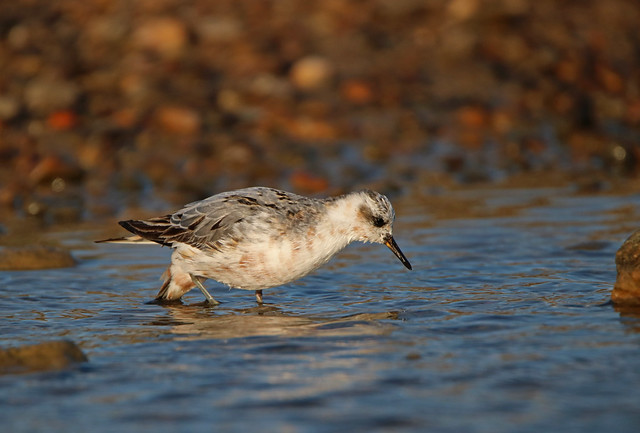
(107,105)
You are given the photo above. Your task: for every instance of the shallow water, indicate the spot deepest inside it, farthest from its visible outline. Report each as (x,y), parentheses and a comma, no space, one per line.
(503,326)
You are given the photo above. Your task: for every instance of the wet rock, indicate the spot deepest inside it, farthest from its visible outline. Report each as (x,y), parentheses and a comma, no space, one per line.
(8,195)
(219,29)
(357,92)
(34,257)
(308,183)
(50,355)
(164,36)
(311,72)
(52,167)
(47,94)
(135,87)
(626,290)
(9,107)
(589,246)
(178,120)
(471,128)
(62,120)
(413,356)
(18,37)
(462,10)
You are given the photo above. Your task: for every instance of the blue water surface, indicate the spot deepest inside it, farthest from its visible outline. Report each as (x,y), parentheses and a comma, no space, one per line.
(504,325)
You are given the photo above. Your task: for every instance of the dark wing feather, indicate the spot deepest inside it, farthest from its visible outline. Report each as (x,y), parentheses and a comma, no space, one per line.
(151,229)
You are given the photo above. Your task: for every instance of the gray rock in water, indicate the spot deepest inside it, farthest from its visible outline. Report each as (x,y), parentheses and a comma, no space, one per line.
(50,355)
(34,257)
(626,291)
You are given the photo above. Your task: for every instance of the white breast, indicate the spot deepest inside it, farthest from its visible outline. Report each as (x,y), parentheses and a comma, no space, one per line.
(265,262)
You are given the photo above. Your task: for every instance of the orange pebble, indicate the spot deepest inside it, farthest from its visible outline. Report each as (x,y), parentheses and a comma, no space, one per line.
(62,120)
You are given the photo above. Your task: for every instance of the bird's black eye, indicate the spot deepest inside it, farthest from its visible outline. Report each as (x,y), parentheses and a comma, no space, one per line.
(378,222)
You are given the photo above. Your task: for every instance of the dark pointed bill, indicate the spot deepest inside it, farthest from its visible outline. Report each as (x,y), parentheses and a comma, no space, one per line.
(391,243)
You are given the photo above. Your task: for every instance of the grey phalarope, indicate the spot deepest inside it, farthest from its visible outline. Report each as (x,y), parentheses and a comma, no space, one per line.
(257,238)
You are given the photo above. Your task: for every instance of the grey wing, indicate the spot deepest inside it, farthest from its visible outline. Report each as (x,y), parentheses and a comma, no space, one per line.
(200,228)
(203,224)
(225,214)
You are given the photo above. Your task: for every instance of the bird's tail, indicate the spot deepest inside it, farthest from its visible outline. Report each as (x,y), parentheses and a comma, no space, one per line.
(135,239)
(148,231)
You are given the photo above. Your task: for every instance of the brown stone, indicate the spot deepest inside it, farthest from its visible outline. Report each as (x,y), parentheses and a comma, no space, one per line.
(62,120)
(303,181)
(357,92)
(43,95)
(311,72)
(178,120)
(626,290)
(165,36)
(50,355)
(34,257)
(51,167)
(9,107)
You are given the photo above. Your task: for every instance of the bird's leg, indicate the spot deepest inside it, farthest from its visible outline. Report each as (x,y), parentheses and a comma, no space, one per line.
(259,296)
(206,294)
